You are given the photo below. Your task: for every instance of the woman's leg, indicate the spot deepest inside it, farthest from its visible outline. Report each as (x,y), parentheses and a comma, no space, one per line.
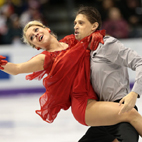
(106,113)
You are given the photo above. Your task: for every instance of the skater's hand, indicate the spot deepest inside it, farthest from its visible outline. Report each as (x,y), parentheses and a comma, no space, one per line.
(2,62)
(129,102)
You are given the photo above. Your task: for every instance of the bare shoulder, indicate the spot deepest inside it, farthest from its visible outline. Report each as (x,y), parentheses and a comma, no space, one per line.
(39,57)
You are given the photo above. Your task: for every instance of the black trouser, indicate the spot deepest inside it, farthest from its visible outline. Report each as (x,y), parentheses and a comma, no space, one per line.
(124,132)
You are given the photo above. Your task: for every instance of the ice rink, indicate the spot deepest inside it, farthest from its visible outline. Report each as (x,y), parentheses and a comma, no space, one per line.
(20,123)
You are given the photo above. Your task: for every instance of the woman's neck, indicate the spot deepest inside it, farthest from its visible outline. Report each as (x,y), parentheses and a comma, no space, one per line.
(58,47)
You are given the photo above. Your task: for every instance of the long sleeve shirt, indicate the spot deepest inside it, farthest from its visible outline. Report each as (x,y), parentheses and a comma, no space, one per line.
(109,70)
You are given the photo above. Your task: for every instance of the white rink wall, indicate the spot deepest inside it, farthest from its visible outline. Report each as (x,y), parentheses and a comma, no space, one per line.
(18,54)
(22,53)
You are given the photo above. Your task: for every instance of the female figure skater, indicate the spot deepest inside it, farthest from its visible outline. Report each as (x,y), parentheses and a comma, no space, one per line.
(67,65)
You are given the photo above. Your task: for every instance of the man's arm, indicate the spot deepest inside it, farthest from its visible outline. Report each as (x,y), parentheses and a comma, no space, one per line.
(127,57)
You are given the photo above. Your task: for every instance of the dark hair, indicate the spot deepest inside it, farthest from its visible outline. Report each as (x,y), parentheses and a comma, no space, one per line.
(92,15)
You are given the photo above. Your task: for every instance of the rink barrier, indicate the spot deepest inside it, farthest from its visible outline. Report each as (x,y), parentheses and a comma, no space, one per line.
(10,85)
(25,91)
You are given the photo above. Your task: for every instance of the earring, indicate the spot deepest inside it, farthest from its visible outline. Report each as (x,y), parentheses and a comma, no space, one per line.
(49,31)
(38,48)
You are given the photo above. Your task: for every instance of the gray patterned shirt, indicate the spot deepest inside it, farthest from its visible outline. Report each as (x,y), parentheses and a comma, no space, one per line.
(109,70)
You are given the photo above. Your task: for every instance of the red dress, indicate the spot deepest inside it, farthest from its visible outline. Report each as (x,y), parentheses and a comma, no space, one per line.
(67,82)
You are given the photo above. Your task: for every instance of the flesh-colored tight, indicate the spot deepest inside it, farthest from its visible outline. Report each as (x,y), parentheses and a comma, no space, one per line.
(100,113)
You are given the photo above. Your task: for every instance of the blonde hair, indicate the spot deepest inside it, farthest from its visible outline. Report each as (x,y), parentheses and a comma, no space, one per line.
(30,24)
